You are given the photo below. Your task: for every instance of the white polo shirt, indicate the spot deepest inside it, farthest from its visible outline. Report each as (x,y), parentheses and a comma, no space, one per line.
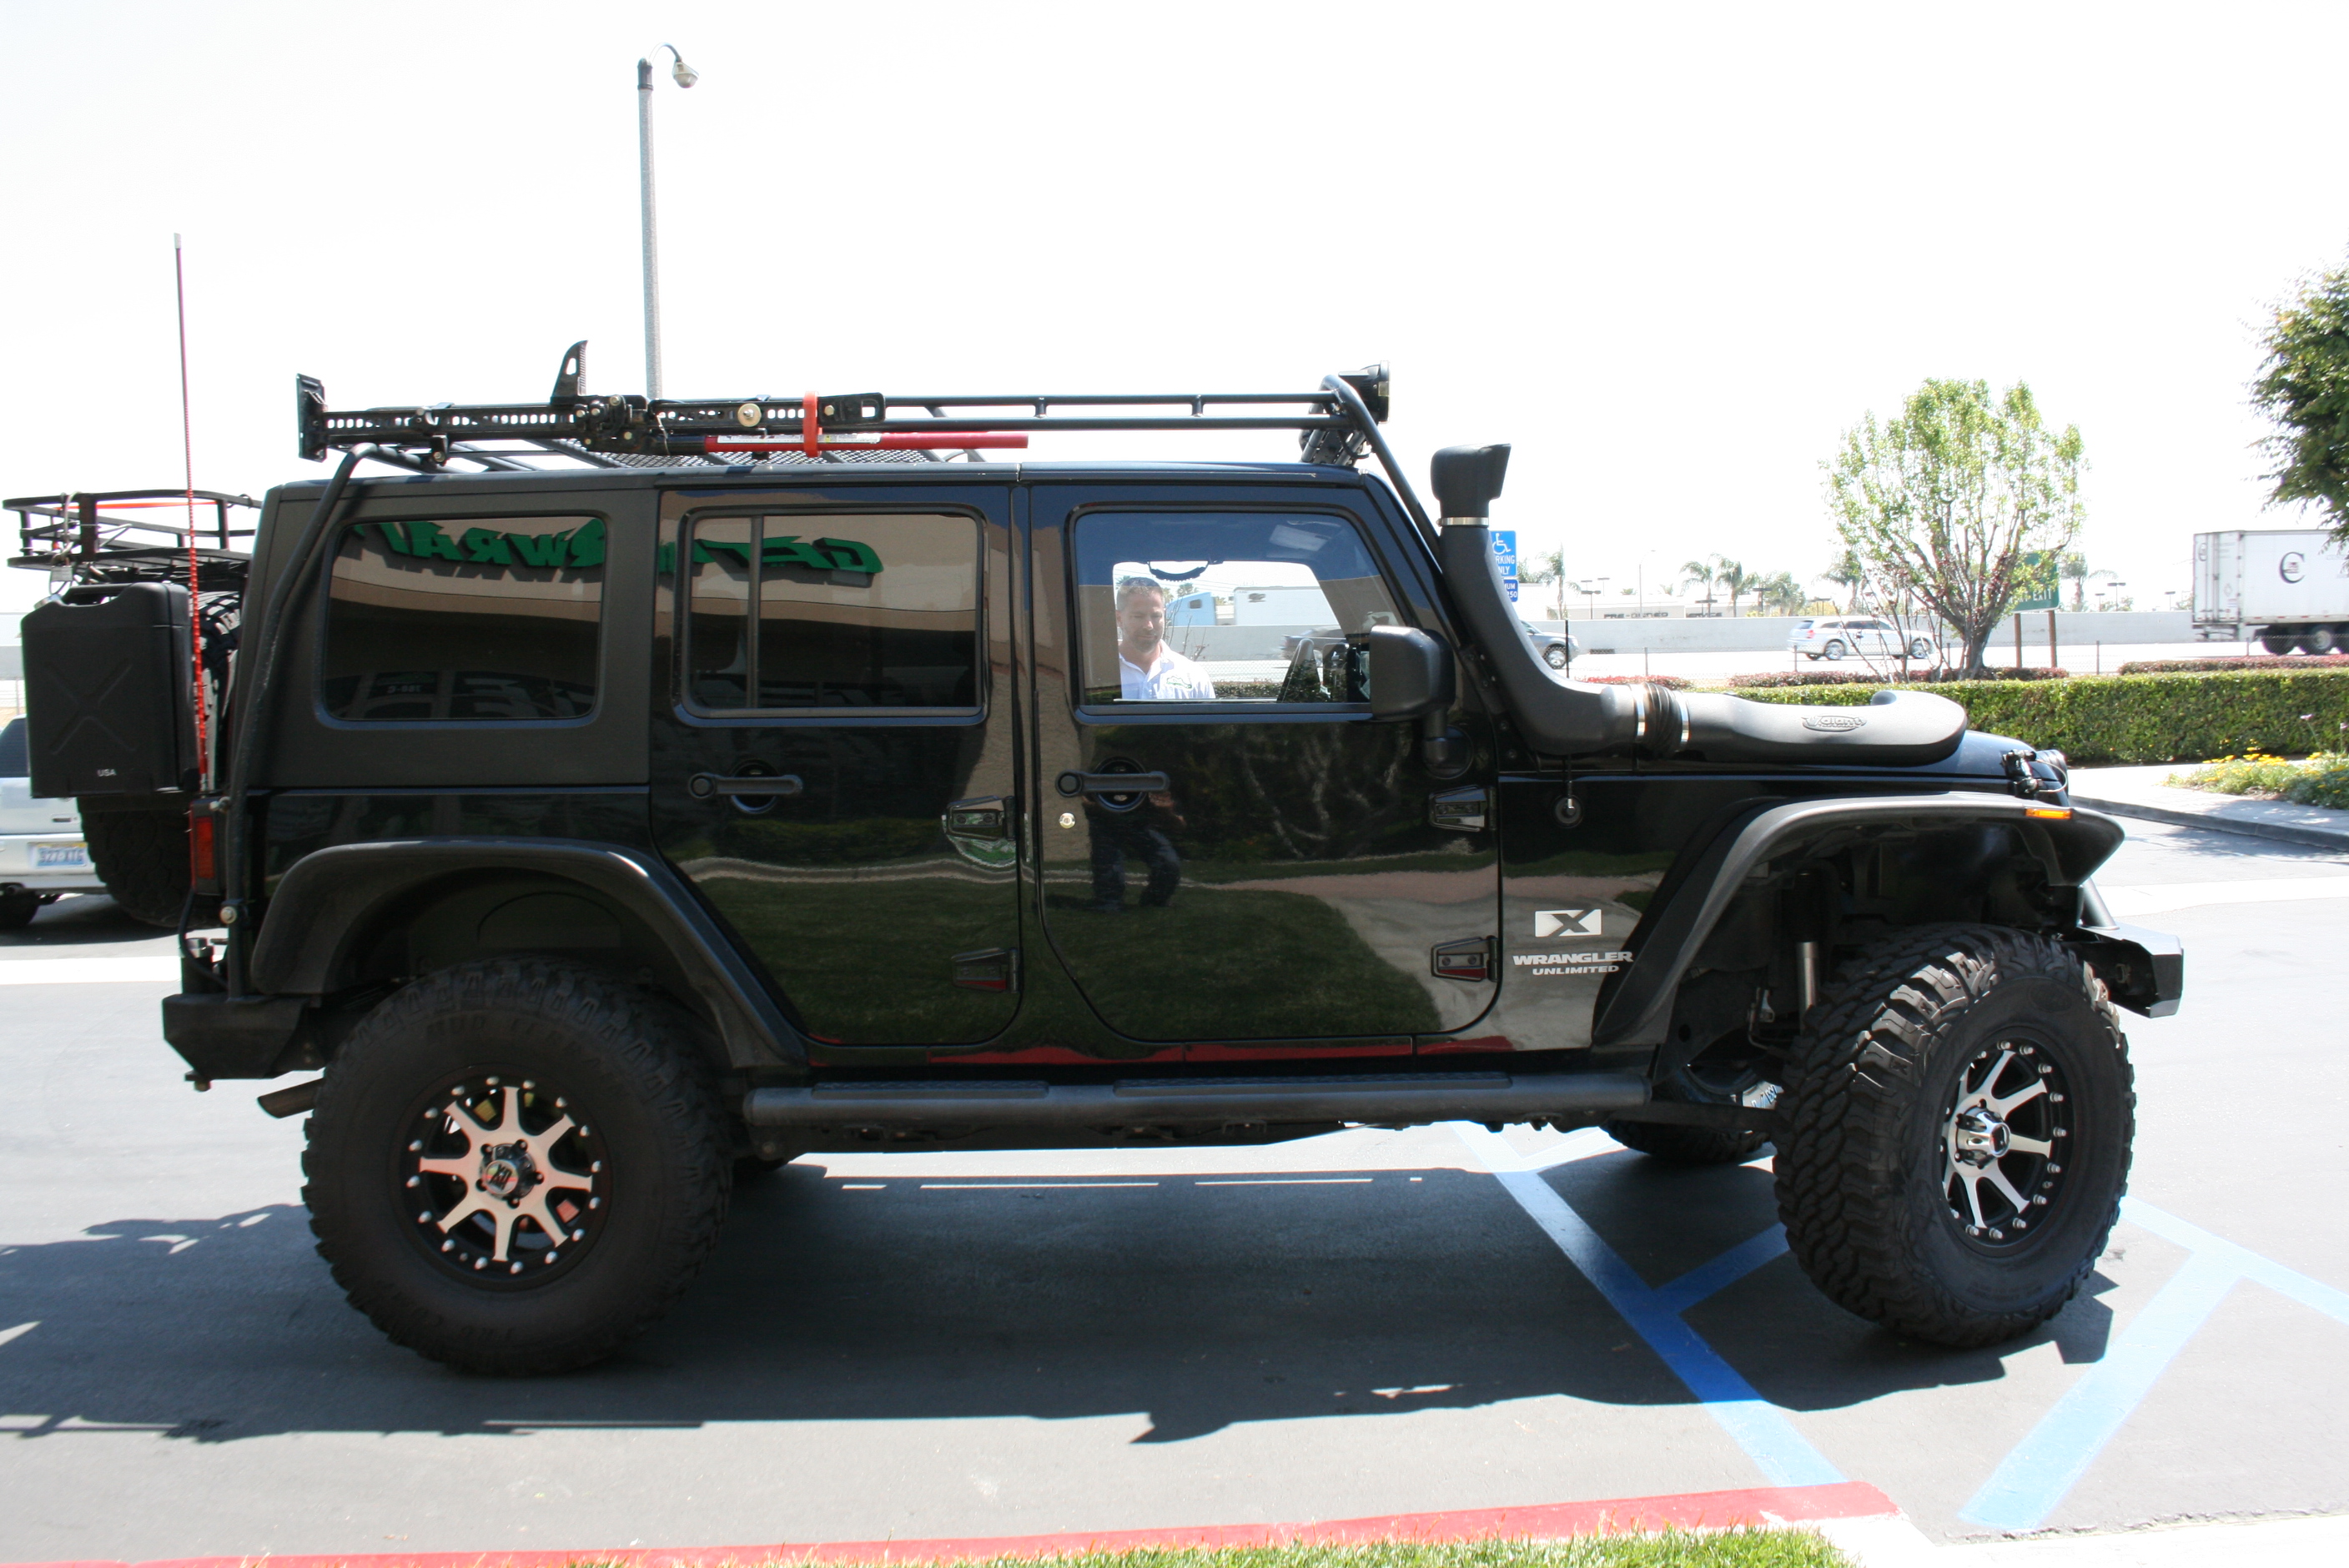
(1171,677)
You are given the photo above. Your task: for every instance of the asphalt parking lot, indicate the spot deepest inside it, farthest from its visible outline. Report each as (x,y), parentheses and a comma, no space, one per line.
(1368,1322)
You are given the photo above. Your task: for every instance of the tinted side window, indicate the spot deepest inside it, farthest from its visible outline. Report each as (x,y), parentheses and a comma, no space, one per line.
(1225,607)
(465,618)
(15,754)
(857,611)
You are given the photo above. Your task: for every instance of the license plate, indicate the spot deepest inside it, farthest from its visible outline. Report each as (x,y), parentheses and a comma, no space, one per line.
(60,857)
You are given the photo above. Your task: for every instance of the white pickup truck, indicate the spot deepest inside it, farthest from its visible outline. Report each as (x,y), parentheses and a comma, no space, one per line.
(42,854)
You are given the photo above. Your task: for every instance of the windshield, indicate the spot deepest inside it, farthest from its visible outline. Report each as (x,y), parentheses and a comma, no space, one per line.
(15,760)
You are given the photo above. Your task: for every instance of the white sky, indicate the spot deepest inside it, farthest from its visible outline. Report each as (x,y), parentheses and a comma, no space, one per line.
(1668,252)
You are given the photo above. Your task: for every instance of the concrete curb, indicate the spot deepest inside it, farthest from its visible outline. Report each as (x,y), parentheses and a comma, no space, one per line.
(2281,832)
(1760,1507)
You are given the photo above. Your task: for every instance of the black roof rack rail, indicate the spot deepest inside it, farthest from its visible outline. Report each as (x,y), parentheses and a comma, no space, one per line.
(1338,423)
(131,536)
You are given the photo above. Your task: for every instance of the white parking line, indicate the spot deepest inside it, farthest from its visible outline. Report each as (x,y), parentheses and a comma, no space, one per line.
(87,971)
(1284,1181)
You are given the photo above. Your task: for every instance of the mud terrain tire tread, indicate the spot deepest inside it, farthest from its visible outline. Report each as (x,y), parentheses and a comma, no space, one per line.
(612,1038)
(1848,1120)
(143,858)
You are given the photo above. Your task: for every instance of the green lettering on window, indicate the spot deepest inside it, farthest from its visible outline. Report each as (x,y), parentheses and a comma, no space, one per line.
(394,537)
(789,551)
(485,547)
(587,543)
(850,554)
(426,539)
(539,549)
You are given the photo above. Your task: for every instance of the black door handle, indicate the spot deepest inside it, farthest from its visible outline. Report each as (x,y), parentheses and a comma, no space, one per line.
(702,786)
(1075,783)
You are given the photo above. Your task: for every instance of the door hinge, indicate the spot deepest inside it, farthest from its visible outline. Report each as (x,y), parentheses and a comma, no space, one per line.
(1460,811)
(1469,960)
(988,969)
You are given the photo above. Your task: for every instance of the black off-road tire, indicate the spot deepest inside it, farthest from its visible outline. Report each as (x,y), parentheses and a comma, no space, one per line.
(143,858)
(649,1120)
(1868,1132)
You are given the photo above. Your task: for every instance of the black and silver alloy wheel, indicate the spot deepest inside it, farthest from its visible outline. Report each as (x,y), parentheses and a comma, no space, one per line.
(515,1166)
(2003,1142)
(1953,1139)
(506,1185)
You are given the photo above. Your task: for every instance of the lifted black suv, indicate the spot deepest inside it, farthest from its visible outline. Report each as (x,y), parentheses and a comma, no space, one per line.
(605,834)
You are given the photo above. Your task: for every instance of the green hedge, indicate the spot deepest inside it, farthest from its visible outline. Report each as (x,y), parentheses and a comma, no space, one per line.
(2097,719)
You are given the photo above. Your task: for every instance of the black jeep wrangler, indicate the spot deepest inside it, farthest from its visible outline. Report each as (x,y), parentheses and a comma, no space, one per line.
(761,782)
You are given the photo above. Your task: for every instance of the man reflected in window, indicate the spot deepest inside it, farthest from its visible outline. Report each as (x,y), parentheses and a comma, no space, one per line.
(1148,670)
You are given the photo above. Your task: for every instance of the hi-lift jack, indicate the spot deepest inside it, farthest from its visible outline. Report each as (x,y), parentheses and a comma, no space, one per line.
(1338,424)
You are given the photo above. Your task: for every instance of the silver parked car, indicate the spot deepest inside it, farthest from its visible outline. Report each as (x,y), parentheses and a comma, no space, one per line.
(1839,636)
(41,850)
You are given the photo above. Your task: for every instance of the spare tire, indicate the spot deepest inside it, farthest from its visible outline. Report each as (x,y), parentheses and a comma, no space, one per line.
(143,858)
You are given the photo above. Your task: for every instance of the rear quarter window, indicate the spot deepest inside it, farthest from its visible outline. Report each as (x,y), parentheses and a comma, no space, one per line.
(433,620)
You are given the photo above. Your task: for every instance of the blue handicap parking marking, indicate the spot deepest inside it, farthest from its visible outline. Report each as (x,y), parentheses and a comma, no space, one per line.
(1757,1425)
(2038,1473)
(2042,1469)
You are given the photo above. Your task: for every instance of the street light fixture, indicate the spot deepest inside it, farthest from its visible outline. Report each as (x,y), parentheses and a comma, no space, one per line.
(685,76)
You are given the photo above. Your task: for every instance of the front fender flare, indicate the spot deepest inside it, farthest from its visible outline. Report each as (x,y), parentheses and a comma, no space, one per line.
(307,935)
(1638,1011)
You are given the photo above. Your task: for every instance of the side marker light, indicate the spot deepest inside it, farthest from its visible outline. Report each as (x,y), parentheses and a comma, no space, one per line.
(2050,813)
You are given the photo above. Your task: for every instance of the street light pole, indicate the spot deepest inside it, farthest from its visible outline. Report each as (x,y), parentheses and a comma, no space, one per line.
(685,77)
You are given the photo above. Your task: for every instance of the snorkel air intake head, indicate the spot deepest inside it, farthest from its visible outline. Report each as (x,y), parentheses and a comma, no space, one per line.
(1467,481)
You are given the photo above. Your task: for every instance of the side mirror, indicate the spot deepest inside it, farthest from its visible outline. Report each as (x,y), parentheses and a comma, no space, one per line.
(1410,674)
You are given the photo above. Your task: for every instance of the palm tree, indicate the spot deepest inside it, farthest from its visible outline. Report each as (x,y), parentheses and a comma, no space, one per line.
(1698,574)
(1780,593)
(1732,575)
(1550,566)
(2072,567)
(1848,574)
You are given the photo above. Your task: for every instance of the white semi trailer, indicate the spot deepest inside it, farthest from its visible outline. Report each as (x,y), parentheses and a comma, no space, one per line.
(2289,587)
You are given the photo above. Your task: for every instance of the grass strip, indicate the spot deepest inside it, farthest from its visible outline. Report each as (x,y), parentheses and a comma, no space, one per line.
(1740,1548)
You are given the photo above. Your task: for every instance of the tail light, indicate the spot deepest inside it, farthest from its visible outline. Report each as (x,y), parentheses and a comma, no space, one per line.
(203,858)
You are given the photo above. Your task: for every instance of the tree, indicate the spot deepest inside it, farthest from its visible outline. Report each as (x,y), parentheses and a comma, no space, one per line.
(1941,503)
(1550,566)
(1781,592)
(1850,575)
(1732,575)
(2304,387)
(2072,567)
(1698,574)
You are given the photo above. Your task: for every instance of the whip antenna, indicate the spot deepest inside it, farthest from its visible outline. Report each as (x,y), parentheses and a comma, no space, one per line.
(188,460)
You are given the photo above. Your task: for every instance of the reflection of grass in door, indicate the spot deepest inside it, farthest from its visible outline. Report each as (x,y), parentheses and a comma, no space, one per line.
(866,962)
(1226,964)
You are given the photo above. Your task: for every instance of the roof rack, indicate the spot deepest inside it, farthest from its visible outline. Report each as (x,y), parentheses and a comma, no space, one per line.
(129,536)
(1337,423)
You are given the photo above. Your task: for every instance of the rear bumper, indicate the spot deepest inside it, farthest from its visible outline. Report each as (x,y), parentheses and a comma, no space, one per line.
(222,1037)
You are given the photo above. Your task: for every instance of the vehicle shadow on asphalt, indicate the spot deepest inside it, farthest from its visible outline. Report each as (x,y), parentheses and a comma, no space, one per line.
(1202,1301)
(80,919)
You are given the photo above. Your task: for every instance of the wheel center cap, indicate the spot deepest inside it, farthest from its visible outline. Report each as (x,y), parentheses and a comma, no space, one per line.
(507,1171)
(1979,1135)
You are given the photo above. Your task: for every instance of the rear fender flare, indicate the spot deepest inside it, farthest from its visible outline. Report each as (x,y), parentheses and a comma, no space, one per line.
(332,901)
(1638,1011)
